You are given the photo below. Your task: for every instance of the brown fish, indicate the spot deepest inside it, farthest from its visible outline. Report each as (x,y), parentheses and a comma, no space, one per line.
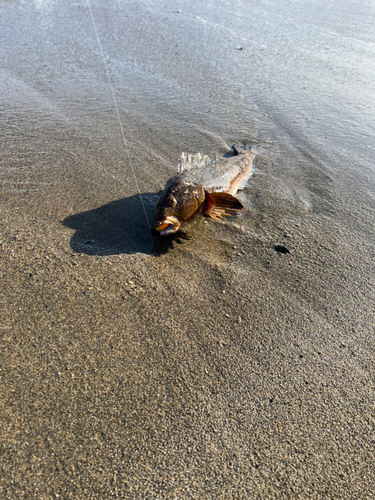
(202,186)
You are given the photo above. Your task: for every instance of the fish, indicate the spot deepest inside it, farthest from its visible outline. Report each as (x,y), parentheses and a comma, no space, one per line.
(203,186)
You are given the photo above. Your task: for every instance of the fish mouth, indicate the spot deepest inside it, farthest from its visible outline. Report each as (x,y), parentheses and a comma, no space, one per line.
(167,226)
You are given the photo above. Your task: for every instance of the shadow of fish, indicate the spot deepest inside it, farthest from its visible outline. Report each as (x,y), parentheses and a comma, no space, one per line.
(202,186)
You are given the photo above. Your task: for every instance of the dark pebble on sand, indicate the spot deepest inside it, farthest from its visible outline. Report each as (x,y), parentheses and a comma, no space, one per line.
(281,249)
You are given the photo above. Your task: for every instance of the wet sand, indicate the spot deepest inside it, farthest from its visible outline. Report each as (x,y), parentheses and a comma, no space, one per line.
(204,365)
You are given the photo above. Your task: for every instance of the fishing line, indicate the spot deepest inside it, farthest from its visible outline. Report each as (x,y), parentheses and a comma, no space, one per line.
(118,113)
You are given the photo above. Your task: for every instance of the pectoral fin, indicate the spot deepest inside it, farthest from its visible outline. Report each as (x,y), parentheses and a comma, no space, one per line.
(221,205)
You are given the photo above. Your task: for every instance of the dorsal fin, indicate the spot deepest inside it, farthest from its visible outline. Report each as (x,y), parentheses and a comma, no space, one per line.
(188,161)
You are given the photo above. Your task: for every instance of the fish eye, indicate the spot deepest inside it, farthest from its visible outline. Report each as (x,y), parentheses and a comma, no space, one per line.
(172,201)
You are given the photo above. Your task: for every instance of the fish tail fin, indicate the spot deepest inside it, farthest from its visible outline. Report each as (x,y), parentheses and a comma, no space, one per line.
(243,148)
(221,205)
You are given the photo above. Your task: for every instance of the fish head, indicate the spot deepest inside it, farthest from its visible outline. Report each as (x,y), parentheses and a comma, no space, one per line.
(179,205)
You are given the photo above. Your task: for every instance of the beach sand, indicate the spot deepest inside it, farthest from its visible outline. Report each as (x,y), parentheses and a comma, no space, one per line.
(204,365)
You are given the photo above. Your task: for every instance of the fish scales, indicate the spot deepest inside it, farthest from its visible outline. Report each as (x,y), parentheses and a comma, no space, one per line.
(223,175)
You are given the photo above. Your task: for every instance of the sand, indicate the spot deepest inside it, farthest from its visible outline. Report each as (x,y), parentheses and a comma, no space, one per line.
(204,365)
